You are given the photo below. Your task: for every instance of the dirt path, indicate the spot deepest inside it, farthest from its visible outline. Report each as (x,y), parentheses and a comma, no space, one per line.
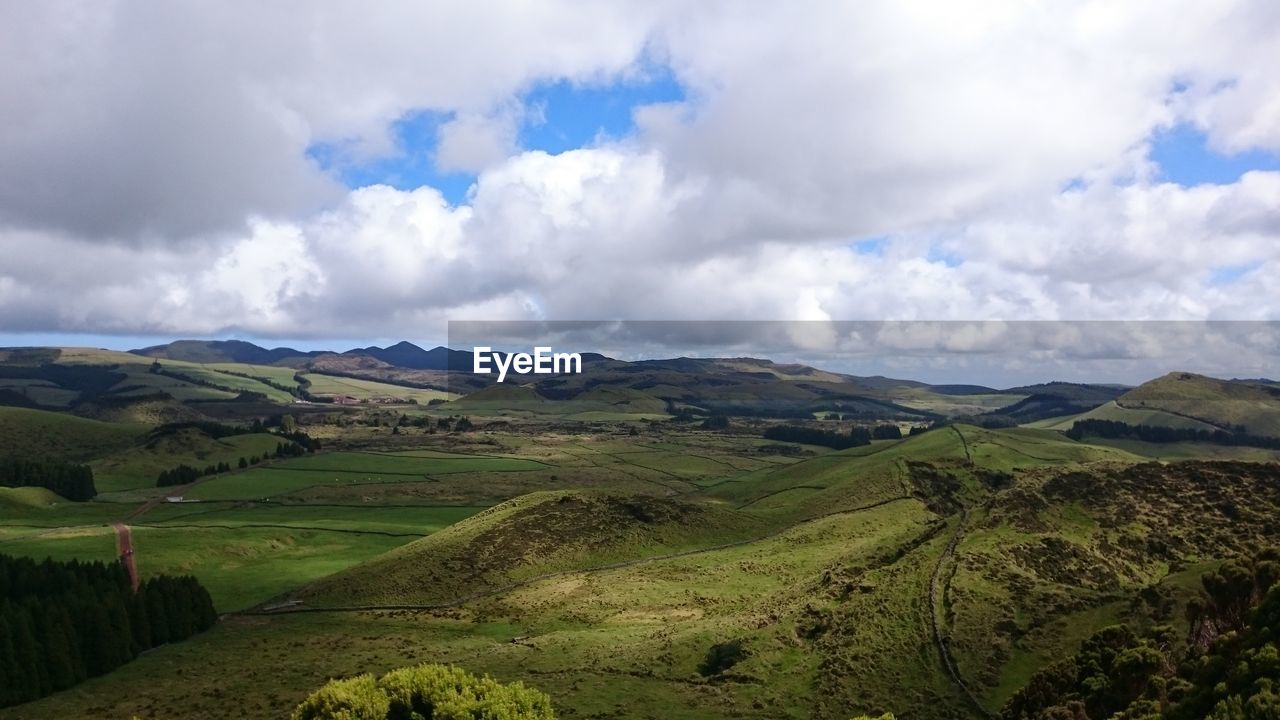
(935,596)
(124,543)
(967,457)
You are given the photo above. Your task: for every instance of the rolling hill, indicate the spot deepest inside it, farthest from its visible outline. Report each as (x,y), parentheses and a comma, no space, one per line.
(1224,404)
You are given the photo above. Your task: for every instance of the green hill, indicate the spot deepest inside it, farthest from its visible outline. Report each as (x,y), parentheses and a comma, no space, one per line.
(1131,416)
(879,472)
(39,432)
(138,467)
(529,536)
(1222,403)
(26,498)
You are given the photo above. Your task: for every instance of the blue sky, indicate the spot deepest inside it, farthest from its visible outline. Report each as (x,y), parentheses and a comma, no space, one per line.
(1186,158)
(559,116)
(199,199)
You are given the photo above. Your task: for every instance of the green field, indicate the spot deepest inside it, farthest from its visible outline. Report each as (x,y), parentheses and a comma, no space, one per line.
(139,467)
(286,478)
(1131,416)
(370,390)
(41,433)
(580,548)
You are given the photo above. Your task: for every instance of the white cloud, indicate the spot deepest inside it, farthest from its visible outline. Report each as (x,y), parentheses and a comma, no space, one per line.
(155,177)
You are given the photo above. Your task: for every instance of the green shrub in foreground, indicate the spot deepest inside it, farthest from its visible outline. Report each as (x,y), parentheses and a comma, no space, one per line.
(439,692)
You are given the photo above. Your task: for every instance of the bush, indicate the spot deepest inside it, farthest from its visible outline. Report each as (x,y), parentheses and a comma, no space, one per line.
(440,692)
(357,698)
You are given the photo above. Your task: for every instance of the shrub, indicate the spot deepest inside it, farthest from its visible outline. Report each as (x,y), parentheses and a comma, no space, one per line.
(440,692)
(357,698)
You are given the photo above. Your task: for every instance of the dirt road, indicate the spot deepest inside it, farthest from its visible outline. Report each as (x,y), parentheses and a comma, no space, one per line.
(124,543)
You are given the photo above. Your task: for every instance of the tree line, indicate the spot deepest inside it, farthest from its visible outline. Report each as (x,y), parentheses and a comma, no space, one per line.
(71,481)
(832,438)
(183,474)
(1117,430)
(63,622)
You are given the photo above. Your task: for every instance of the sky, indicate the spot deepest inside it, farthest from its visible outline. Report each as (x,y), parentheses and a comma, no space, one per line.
(323,174)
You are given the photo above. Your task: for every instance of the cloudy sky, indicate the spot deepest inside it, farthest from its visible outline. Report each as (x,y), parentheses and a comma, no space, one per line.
(318,172)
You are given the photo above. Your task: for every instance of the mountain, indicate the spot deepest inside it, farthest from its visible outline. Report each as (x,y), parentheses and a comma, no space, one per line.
(226,351)
(405,354)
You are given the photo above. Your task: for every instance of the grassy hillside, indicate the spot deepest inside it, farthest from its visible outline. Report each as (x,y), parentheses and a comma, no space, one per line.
(26,498)
(42,433)
(878,472)
(138,467)
(1130,416)
(523,538)
(1223,403)
(320,384)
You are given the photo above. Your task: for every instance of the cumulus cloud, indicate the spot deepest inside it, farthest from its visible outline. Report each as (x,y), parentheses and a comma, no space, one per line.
(156,176)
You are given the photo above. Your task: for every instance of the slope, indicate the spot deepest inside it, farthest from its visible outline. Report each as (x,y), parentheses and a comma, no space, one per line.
(1222,403)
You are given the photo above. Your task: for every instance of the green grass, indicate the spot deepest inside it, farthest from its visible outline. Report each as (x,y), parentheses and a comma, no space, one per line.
(50,434)
(289,477)
(140,383)
(25,510)
(77,543)
(41,392)
(406,521)
(1172,452)
(1132,416)
(665,614)
(368,389)
(619,559)
(601,404)
(1222,403)
(139,467)
(278,375)
(534,534)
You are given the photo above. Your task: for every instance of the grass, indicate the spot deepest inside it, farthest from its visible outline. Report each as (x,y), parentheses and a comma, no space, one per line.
(413,521)
(368,389)
(665,613)
(49,434)
(535,534)
(291,477)
(616,560)
(41,392)
(36,507)
(1222,403)
(138,467)
(1132,416)
(599,404)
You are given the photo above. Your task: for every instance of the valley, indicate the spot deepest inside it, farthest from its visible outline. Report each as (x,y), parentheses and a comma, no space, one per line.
(626,540)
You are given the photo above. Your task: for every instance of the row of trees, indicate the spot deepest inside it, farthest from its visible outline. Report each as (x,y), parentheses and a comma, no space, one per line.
(815,436)
(1116,430)
(831,438)
(183,474)
(63,622)
(71,481)
(1225,670)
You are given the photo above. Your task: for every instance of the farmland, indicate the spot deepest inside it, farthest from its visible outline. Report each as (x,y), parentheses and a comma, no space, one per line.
(599,547)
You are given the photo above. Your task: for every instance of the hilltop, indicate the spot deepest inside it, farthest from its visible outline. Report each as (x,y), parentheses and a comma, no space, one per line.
(1225,404)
